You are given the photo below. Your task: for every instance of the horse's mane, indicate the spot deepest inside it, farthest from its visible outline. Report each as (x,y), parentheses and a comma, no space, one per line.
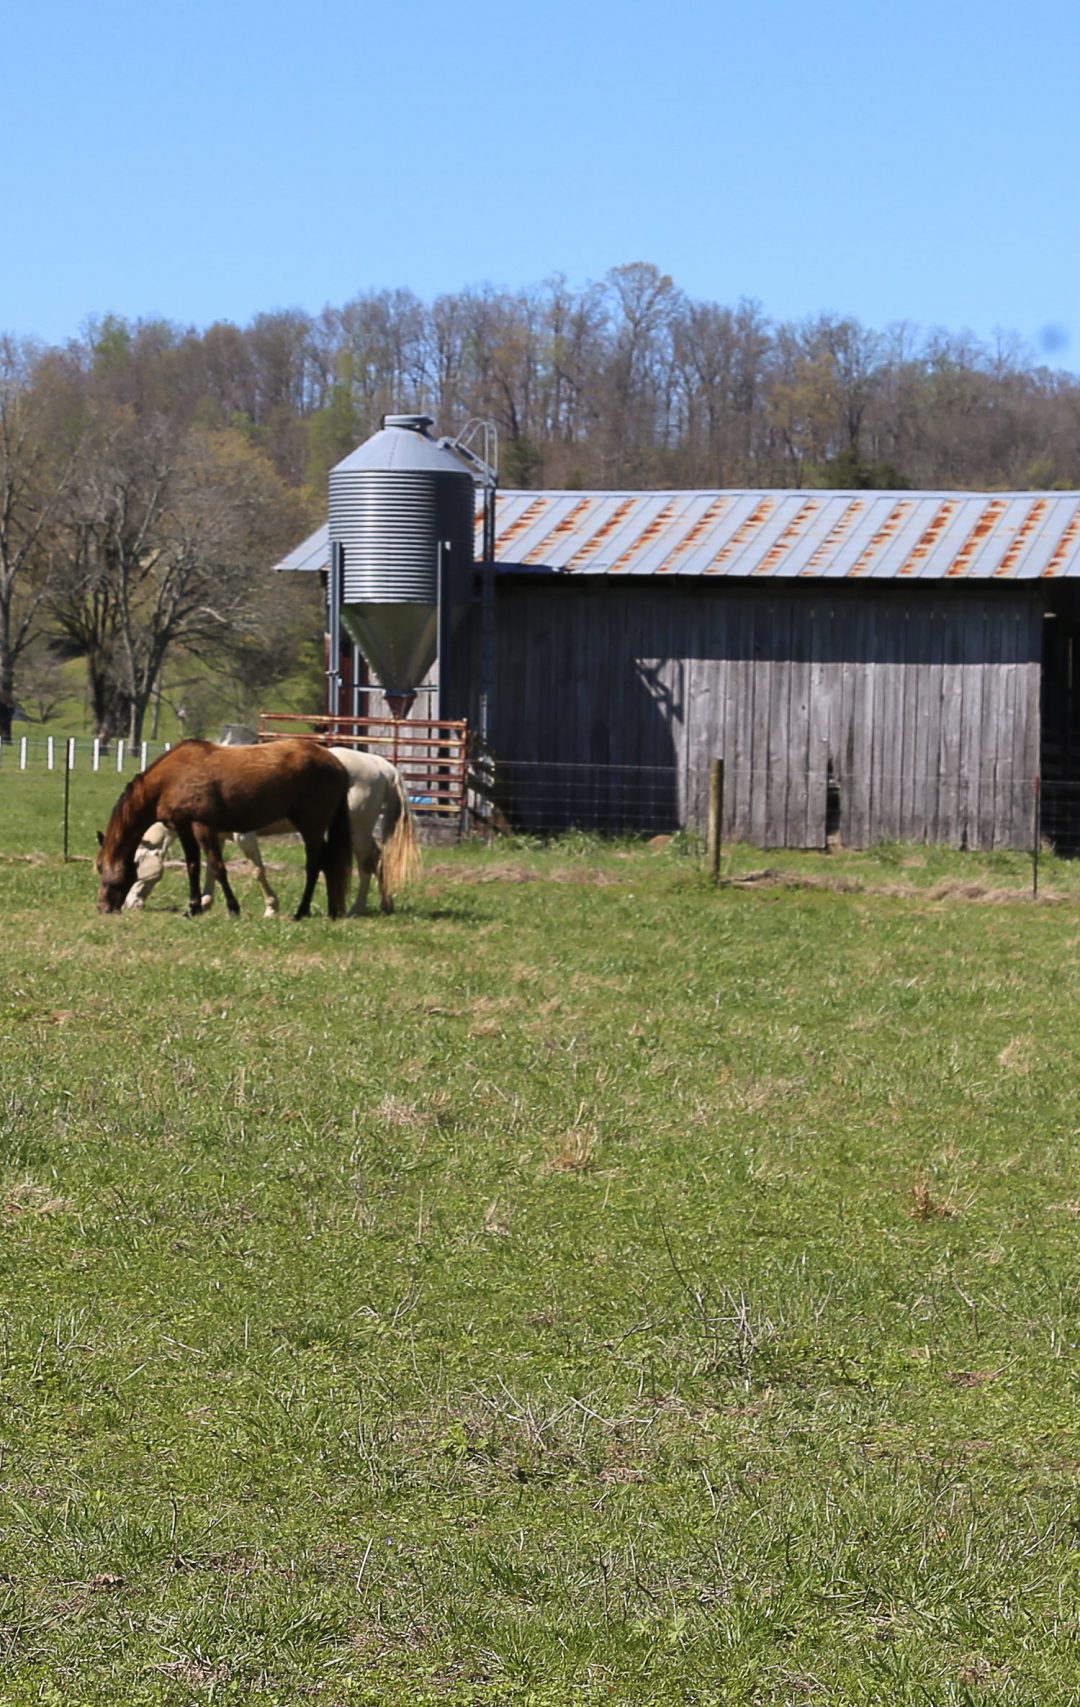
(123,814)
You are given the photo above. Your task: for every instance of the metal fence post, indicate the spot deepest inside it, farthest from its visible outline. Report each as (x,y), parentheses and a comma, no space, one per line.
(69,760)
(716,817)
(1036,819)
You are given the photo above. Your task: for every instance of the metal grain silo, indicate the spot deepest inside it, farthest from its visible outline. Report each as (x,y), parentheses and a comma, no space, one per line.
(402,513)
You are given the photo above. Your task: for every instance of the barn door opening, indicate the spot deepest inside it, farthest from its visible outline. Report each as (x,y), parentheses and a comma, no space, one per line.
(833,808)
(1059,758)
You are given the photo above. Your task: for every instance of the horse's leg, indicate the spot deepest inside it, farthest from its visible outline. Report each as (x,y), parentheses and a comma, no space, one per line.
(207,898)
(248,843)
(191,855)
(327,849)
(363,880)
(374,866)
(386,900)
(149,865)
(313,866)
(210,843)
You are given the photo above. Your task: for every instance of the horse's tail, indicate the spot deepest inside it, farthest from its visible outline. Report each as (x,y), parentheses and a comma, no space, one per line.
(337,858)
(400,850)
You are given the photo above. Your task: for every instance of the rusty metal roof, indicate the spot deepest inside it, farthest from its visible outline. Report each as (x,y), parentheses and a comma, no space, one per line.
(873,536)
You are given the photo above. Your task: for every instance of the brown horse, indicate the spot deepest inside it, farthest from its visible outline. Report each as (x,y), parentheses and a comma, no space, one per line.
(201,790)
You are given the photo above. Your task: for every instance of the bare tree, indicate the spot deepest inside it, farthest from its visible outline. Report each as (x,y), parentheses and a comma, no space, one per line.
(722,357)
(169,533)
(640,378)
(101,571)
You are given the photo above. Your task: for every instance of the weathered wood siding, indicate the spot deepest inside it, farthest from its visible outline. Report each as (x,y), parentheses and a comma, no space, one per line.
(921,703)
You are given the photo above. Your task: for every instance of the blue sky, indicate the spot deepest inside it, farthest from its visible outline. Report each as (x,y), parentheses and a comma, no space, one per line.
(210,161)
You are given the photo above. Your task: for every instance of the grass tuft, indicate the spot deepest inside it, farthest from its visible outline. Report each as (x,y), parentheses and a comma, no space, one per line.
(926,1203)
(29,1197)
(573,1152)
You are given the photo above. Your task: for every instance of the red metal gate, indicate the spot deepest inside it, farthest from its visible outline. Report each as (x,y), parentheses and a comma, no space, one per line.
(432,756)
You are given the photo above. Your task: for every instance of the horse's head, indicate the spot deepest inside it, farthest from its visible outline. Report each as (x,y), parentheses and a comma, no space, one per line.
(116,874)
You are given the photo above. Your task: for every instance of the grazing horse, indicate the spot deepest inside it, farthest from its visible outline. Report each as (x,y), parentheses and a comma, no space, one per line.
(375,793)
(203,791)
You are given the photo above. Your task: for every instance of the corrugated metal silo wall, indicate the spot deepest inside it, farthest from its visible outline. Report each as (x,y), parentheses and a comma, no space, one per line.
(919,704)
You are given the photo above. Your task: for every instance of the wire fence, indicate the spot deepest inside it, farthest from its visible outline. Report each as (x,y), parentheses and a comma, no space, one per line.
(1014,821)
(546,799)
(784,806)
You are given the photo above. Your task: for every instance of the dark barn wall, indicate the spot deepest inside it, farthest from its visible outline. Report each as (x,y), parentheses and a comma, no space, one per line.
(919,704)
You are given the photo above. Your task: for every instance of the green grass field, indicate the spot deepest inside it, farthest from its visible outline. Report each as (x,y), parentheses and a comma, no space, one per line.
(585,1286)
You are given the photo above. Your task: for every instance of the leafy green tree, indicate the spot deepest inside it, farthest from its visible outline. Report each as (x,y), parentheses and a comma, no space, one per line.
(332,432)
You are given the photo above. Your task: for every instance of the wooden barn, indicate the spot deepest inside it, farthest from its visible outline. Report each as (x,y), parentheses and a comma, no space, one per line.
(870,665)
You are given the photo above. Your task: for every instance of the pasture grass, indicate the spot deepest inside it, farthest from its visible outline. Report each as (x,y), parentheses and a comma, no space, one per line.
(582,1286)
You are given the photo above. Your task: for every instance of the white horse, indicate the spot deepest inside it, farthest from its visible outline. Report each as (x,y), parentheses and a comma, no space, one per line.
(375,792)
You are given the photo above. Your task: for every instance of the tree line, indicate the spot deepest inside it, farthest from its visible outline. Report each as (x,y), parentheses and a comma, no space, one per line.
(151,473)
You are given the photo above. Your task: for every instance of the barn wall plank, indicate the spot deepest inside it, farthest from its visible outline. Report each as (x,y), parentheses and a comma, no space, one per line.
(844,644)
(974,674)
(924,795)
(932,773)
(821,681)
(861,727)
(779,756)
(908,741)
(989,728)
(743,719)
(798,738)
(905,699)
(1010,787)
(948,755)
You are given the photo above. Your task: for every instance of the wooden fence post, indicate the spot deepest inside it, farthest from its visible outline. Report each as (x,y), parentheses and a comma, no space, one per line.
(716,817)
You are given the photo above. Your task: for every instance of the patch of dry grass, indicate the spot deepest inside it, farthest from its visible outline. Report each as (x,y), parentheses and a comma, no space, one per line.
(1019,1055)
(28,1197)
(927,1204)
(573,1152)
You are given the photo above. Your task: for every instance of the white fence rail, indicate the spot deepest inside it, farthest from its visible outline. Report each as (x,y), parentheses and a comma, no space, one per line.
(57,752)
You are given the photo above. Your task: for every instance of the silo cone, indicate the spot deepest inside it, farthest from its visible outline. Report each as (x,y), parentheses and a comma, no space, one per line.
(399,505)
